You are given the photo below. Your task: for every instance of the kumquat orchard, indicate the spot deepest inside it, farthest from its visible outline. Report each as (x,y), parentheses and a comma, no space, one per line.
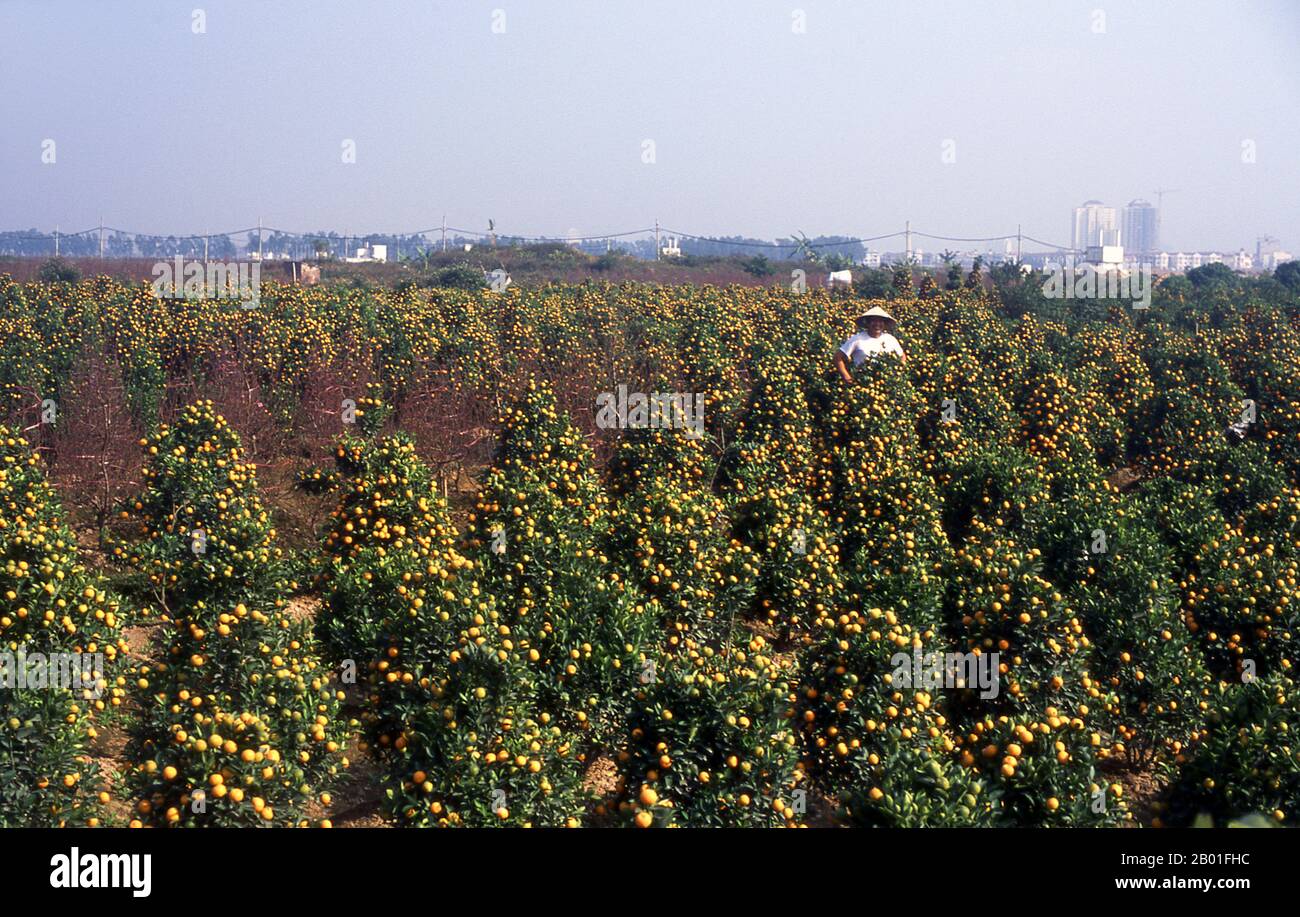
(433,557)
(961,531)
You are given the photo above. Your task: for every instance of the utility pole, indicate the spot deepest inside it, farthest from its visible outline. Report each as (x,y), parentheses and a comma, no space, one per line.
(259,239)
(205,250)
(101,238)
(1017,243)
(56,240)
(908,235)
(444,233)
(656,238)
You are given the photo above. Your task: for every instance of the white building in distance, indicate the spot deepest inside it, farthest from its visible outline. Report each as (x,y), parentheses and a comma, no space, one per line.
(1141,227)
(1105,255)
(368,253)
(1094,224)
(1272,259)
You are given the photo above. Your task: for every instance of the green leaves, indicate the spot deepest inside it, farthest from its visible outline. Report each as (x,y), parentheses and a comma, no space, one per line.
(49,604)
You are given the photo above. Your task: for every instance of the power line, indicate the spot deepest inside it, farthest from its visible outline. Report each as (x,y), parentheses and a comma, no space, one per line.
(995,239)
(47,235)
(927,235)
(790,244)
(719,241)
(608,235)
(463,232)
(151,235)
(1064,248)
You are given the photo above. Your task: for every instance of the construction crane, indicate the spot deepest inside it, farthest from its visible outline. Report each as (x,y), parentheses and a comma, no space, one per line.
(1160,208)
(1160,195)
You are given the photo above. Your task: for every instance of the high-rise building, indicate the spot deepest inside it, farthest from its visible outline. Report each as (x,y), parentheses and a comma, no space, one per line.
(1094,224)
(1141,227)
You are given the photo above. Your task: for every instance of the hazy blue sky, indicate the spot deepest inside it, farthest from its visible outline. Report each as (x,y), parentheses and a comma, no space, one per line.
(757,128)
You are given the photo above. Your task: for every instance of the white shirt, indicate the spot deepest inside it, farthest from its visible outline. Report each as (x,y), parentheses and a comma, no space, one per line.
(863,345)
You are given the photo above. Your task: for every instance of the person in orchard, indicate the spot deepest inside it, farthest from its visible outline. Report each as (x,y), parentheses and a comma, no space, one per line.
(874,338)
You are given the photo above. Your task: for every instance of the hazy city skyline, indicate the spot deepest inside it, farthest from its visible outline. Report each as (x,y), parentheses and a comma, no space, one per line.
(830,118)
